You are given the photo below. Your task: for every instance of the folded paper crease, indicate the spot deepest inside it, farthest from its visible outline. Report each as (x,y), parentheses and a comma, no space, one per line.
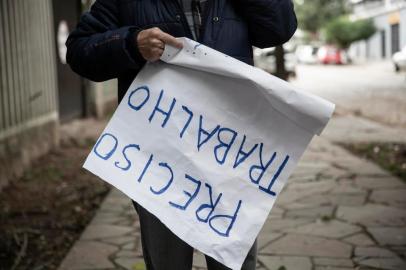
(306,110)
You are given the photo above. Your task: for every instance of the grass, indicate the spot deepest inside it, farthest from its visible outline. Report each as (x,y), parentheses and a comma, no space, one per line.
(390,156)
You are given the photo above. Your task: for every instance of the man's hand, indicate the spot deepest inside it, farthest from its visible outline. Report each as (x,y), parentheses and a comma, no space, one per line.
(151,43)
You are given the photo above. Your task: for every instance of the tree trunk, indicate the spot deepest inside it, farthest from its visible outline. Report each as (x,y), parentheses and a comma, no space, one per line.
(280,63)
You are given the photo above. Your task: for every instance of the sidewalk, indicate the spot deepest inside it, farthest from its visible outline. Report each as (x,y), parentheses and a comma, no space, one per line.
(337,212)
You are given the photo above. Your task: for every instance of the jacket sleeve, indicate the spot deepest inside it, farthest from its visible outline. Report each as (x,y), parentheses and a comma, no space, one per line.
(99,49)
(270,22)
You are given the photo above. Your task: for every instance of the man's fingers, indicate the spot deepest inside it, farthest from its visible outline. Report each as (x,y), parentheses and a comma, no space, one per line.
(157,51)
(168,39)
(157,43)
(151,43)
(154,54)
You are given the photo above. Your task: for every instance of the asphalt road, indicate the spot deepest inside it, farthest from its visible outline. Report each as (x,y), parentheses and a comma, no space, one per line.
(371,90)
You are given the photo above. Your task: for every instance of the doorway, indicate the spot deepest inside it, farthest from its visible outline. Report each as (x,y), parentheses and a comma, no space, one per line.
(395,40)
(70,85)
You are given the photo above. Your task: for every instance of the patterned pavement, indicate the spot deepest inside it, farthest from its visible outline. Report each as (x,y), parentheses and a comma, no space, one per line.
(337,212)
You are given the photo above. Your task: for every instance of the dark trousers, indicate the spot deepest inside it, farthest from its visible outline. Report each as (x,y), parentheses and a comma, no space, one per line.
(163,250)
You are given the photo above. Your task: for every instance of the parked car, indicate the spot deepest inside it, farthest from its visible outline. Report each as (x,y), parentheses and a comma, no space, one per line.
(266,60)
(307,54)
(332,55)
(399,60)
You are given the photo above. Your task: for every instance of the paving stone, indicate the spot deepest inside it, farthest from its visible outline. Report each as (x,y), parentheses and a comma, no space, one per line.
(348,199)
(118,240)
(129,246)
(367,252)
(303,190)
(333,268)
(389,235)
(394,197)
(126,253)
(265,238)
(379,182)
(100,231)
(124,222)
(334,173)
(129,209)
(111,207)
(348,188)
(349,128)
(308,167)
(323,261)
(336,199)
(88,255)
(289,262)
(328,229)
(400,250)
(118,199)
(134,263)
(365,168)
(373,215)
(276,212)
(360,239)
(107,218)
(313,212)
(293,235)
(394,263)
(302,205)
(295,178)
(305,245)
(315,187)
(277,224)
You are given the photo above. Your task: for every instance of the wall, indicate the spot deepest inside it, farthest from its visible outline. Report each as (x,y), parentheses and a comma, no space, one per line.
(403,28)
(102,98)
(28,106)
(371,48)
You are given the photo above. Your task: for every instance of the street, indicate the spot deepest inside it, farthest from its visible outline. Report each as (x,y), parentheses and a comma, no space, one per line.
(371,90)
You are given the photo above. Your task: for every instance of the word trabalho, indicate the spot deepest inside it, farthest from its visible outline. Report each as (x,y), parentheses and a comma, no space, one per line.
(141,95)
(225,139)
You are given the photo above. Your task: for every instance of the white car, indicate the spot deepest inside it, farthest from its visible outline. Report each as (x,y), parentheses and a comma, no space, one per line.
(399,60)
(307,54)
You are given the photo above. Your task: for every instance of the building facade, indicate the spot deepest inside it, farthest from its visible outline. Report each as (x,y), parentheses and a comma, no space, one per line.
(389,17)
(38,91)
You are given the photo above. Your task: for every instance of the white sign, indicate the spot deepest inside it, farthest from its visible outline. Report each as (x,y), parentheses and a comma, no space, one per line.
(206,143)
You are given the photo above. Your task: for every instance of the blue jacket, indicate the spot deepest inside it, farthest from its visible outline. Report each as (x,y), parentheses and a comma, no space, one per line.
(102,46)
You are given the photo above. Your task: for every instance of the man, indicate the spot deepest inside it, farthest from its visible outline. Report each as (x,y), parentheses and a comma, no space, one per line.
(117,37)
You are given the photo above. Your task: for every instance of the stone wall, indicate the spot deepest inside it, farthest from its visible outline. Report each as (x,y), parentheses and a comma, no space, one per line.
(18,152)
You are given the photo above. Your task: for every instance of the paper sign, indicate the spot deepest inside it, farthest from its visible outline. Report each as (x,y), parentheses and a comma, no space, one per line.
(206,143)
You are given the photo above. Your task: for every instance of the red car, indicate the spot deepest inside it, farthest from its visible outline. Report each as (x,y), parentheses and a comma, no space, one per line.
(331,55)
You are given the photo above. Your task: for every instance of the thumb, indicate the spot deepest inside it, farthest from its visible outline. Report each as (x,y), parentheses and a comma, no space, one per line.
(170,40)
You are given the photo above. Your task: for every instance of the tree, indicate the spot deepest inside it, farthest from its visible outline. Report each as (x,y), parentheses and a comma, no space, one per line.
(342,31)
(312,15)
(280,63)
